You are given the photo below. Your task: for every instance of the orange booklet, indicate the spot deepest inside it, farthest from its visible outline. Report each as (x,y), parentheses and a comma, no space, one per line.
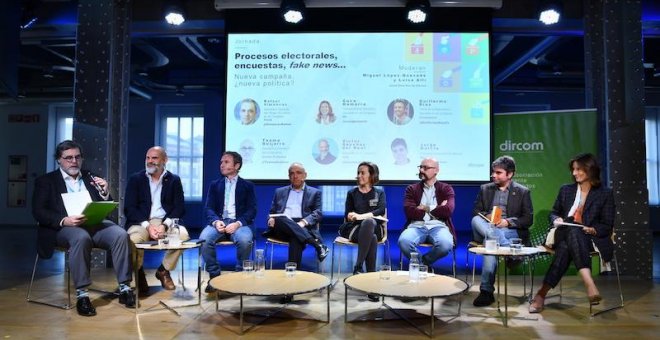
(496,215)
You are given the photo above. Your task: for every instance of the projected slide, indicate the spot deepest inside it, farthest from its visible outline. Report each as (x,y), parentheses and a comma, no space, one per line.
(332,100)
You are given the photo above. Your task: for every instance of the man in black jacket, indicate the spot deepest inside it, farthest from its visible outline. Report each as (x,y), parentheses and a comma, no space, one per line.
(57,227)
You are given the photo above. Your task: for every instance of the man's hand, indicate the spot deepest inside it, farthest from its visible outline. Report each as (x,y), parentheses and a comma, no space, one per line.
(503,223)
(231,227)
(443,203)
(302,223)
(74,220)
(558,220)
(155,231)
(271,222)
(423,207)
(589,230)
(219,226)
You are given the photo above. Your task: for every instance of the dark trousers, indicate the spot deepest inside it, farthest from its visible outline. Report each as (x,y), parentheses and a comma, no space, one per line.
(288,230)
(367,244)
(571,244)
(81,240)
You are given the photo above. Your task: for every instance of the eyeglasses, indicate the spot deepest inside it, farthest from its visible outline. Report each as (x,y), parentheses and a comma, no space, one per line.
(70,159)
(424,167)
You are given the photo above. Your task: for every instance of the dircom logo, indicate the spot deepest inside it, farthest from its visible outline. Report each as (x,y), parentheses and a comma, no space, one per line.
(509,145)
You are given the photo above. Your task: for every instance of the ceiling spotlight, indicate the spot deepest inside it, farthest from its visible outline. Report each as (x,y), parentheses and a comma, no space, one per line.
(292,10)
(549,12)
(417,10)
(174,14)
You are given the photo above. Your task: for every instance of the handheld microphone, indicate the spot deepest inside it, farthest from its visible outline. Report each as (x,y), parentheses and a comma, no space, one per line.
(96,185)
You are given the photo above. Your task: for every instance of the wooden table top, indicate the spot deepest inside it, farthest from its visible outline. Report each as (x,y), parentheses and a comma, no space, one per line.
(399,286)
(274,282)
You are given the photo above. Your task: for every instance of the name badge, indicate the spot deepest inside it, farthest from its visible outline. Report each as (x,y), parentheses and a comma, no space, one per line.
(373,202)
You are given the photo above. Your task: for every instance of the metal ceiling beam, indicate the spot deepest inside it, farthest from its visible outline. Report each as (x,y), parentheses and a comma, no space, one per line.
(542,47)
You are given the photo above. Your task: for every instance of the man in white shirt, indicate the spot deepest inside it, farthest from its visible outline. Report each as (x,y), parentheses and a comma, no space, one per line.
(59,228)
(154,196)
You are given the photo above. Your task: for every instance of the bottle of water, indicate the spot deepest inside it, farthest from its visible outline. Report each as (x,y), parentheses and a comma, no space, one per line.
(413,267)
(173,233)
(259,264)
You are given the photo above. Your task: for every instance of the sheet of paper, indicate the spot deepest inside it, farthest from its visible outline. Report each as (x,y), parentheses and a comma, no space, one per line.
(569,224)
(75,202)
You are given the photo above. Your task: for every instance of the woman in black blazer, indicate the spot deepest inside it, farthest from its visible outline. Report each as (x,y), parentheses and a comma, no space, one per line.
(588,203)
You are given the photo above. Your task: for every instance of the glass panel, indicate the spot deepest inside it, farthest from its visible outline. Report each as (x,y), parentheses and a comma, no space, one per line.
(185,136)
(172,136)
(198,136)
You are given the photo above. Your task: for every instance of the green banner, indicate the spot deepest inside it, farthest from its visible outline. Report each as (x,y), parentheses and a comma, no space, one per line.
(542,143)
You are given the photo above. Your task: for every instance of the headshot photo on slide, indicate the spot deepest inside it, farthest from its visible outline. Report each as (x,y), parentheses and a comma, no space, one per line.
(325,115)
(246,150)
(400,111)
(400,151)
(324,151)
(247,111)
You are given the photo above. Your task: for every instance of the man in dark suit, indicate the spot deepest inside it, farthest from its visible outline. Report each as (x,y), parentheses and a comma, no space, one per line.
(59,228)
(515,202)
(231,207)
(154,197)
(298,207)
(428,205)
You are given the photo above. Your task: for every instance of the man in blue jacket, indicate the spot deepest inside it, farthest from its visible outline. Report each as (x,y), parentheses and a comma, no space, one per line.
(154,196)
(295,214)
(231,207)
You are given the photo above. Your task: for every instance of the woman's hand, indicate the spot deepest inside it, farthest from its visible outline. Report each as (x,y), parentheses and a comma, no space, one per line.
(589,231)
(352,216)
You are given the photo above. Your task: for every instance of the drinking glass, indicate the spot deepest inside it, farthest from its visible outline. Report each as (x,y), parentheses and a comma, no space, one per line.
(248,267)
(290,268)
(385,272)
(423,272)
(516,245)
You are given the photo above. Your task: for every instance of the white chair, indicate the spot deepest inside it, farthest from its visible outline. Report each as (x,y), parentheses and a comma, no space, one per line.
(273,242)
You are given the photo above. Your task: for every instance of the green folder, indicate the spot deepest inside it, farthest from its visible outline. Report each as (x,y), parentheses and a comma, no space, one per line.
(98,211)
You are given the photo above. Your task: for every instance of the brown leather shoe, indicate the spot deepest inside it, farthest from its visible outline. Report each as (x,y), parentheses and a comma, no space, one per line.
(165,279)
(143,285)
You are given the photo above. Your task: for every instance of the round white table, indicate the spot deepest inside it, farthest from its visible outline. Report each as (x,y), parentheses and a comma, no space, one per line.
(273,283)
(399,286)
(502,253)
(186,245)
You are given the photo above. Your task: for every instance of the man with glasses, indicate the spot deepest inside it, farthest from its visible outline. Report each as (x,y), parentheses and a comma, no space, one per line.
(428,205)
(59,228)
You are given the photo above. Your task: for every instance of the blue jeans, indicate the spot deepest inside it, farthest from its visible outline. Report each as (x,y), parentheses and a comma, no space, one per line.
(480,230)
(440,237)
(242,238)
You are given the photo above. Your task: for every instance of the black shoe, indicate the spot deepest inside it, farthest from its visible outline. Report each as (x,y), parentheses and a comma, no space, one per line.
(286,299)
(322,252)
(209,289)
(142,284)
(373,298)
(127,298)
(357,270)
(484,299)
(85,307)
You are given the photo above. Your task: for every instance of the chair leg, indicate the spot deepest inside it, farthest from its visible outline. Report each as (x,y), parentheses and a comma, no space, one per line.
(67,272)
(332,265)
(271,254)
(453,264)
(618,281)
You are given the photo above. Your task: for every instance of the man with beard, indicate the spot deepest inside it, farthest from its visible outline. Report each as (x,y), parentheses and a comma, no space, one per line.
(154,197)
(428,205)
(515,202)
(59,228)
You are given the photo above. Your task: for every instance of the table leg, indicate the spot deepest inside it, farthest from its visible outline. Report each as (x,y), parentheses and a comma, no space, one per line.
(199,276)
(432,316)
(327,320)
(241,314)
(345,303)
(506,293)
(183,271)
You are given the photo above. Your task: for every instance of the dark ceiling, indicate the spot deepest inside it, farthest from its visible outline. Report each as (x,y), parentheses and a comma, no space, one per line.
(526,54)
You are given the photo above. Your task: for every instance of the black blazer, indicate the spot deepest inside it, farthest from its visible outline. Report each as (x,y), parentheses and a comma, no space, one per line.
(48,207)
(137,201)
(519,210)
(598,213)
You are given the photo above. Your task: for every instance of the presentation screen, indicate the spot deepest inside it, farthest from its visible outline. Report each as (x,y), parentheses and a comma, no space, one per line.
(333,100)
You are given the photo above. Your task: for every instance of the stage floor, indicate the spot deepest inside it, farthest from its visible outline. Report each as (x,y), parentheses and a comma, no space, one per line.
(640,318)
